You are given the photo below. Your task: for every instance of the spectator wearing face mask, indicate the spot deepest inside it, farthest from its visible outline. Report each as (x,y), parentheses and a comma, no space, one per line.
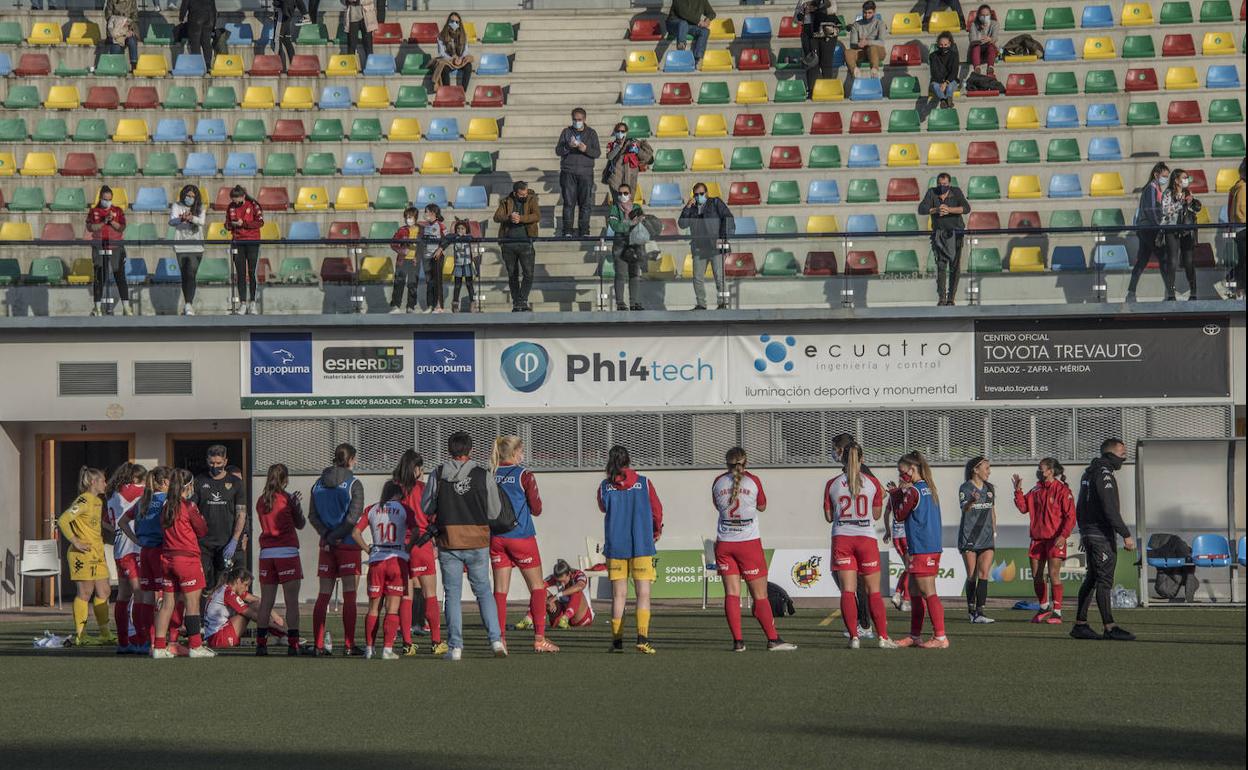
(622,218)
(866,38)
(983,33)
(453,56)
(406,268)
(946,204)
(107,224)
(710,225)
(1148,216)
(943,64)
(1179,207)
(244,218)
(518,216)
(187,217)
(626,159)
(577,148)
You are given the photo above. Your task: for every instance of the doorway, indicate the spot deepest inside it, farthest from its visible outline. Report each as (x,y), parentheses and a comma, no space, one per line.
(190,451)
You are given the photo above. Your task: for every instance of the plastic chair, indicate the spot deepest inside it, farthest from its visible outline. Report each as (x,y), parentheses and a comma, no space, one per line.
(677,61)
(756,28)
(864,156)
(638,95)
(863,89)
(1218,76)
(1065,186)
(1059,49)
(40,559)
(666,194)
(712,125)
(441,129)
(824,191)
(1102,116)
(1106,184)
(863,191)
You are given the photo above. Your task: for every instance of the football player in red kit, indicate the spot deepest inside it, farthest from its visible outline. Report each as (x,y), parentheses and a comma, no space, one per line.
(916,503)
(567,599)
(124,491)
(423,558)
(1051,508)
(392,525)
(182,572)
(281,516)
(229,608)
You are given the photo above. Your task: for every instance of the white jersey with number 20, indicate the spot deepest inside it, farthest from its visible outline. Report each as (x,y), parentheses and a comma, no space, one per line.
(851,514)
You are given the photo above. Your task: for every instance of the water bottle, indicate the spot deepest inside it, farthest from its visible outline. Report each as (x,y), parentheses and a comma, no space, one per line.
(329,641)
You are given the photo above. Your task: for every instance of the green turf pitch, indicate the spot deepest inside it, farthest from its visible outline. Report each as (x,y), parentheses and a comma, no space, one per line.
(1006,695)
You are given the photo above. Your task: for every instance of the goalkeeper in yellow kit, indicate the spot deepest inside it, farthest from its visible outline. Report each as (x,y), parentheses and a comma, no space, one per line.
(80,524)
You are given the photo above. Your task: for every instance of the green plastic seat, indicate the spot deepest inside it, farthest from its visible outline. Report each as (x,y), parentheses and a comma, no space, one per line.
(51,130)
(27,199)
(953,182)
(415,65)
(1020,20)
(781,225)
(1066,218)
(788,124)
(499,33)
(904,87)
(312,34)
(1100,82)
(863,191)
(983,188)
(395,198)
(1061,84)
(10,271)
(983,119)
(249,130)
(476,162)
(1108,218)
(142,231)
(120,164)
(1143,114)
(789,59)
(91,130)
(296,270)
(220,98)
(320,164)
(22,97)
(790,91)
(1139,47)
(412,97)
(279,164)
(901,261)
(46,270)
(112,65)
(943,120)
(66,70)
(822,156)
(746,159)
(1228,146)
(326,130)
(783,192)
(1059,17)
(668,160)
(380,230)
(181,98)
(985,260)
(1186,147)
(69,199)
(903,121)
(159,32)
(1022,151)
(1225,111)
(638,126)
(1063,151)
(901,223)
(779,263)
(714,92)
(1176,12)
(213,270)
(12,130)
(160,164)
(1216,12)
(366,130)
(11,33)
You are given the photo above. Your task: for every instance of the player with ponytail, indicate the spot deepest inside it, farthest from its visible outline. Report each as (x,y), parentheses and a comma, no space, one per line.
(81,524)
(422,565)
(1051,508)
(632,525)
(281,516)
(916,503)
(182,572)
(125,489)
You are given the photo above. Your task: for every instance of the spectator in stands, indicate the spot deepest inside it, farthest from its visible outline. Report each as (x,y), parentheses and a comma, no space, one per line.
(983,31)
(518,216)
(1179,207)
(121,18)
(360,17)
(710,225)
(623,216)
(406,268)
(453,53)
(107,224)
(934,5)
(866,38)
(290,12)
(244,218)
(199,18)
(946,204)
(626,158)
(1235,215)
(943,66)
(187,217)
(691,17)
(577,148)
(1148,217)
(812,15)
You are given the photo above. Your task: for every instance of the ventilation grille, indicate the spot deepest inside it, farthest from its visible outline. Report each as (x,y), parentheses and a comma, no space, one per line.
(87,379)
(162,378)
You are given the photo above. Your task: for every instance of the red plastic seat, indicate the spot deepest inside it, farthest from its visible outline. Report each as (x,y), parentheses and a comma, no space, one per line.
(983,220)
(820,263)
(474,229)
(754,59)
(449,96)
(740,264)
(749,124)
(1199,184)
(790,28)
(982,154)
(670,227)
(344,231)
(786,156)
(862,263)
(102,98)
(423,32)
(744,194)
(865,122)
(337,270)
(1024,220)
(266,65)
(273,198)
(142,98)
(902,188)
(388,33)
(58,231)
(264,268)
(1182,111)
(222,201)
(1141,79)
(304,65)
(676,93)
(1178,45)
(1022,84)
(79,164)
(645,29)
(288,130)
(487,96)
(826,123)
(906,55)
(1202,255)
(398,163)
(33,64)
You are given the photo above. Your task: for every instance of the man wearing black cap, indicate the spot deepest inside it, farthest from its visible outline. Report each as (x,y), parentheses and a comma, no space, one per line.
(1100,524)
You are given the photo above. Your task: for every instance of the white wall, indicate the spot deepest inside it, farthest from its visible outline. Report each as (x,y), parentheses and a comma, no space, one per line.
(10,512)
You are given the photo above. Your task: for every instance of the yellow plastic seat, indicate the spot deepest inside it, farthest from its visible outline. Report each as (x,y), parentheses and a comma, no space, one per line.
(672,126)
(713,190)
(717,61)
(312,199)
(121,199)
(269,231)
(707,159)
(1226,179)
(470,31)
(1137,15)
(297,98)
(723,29)
(374,98)
(81,272)
(822,223)
(83,33)
(44,33)
(641,61)
(483,130)
(828,90)
(216,231)
(710,124)
(1022,118)
(227,65)
(1218,44)
(378,269)
(1024,186)
(342,65)
(1107,184)
(1203,217)
(351,199)
(259,98)
(1181,78)
(751,92)
(1026,259)
(436,162)
(943,154)
(405,130)
(1101,47)
(39,164)
(62,98)
(130,130)
(903,155)
(686,271)
(8,164)
(664,269)
(907,24)
(944,21)
(152,65)
(16,231)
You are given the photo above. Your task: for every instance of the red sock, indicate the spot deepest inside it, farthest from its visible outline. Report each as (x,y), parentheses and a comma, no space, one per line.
(1058,590)
(537,608)
(849,612)
(121,619)
(160,642)
(370,629)
(175,622)
(142,624)
(390,626)
(732,611)
(196,640)
(500,602)
(918,609)
(405,619)
(762,613)
(433,618)
(1041,588)
(349,610)
(318,619)
(937,611)
(878,616)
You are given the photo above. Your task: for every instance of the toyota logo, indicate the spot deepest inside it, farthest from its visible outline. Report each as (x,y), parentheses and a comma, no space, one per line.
(1212,330)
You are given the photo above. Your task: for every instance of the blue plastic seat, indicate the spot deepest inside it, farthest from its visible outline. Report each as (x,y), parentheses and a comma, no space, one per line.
(303,231)
(200,164)
(755,27)
(240,33)
(267,30)
(359,164)
(1065,186)
(823,191)
(189,65)
(678,61)
(493,64)
(167,271)
(861,223)
(434,193)
(335,98)
(1062,116)
(1165,562)
(1111,256)
(379,65)
(1059,49)
(210,130)
(665,194)
(1222,76)
(170,130)
(638,95)
(1242,556)
(6,65)
(443,130)
(1211,550)
(150,199)
(866,89)
(746,225)
(1104,148)
(471,197)
(240,164)
(1068,258)
(864,156)
(1097,17)
(136,271)
(1103,116)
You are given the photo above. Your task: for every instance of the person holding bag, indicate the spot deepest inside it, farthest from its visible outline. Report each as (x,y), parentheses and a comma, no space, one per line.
(628,247)
(626,159)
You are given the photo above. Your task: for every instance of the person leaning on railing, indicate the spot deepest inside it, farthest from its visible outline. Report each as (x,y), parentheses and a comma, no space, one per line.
(946,204)
(107,224)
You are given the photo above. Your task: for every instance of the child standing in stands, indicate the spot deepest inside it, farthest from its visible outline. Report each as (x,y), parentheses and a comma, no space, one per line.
(432,237)
(406,268)
(465,263)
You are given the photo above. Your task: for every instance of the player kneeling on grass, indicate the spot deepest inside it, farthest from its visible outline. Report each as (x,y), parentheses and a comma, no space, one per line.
(1051,508)
(916,503)
(392,525)
(231,606)
(567,602)
(281,516)
(633,524)
(182,572)
(81,526)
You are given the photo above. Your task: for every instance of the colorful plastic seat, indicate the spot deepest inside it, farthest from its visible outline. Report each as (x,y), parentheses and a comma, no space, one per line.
(751,92)
(903,87)
(1138,47)
(707,159)
(1059,17)
(672,127)
(1024,187)
(440,129)
(44,33)
(1021,84)
(132,130)
(983,188)
(943,120)
(1104,115)
(863,89)
(311,199)
(638,95)
(449,96)
(1218,44)
(1141,79)
(756,28)
(1061,116)
(340,65)
(1022,118)
(482,130)
(1100,47)
(668,160)
(710,125)
(676,60)
(984,260)
(750,59)
(862,191)
(1020,20)
(711,92)
(746,159)
(220,98)
(1181,78)
(1227,146)
(744,194)
(1218,76)
(1104,148)
(1186,147)
(982,119)
(868,121)
(790,91)
(785,157)
(1059,49)
(942,154)
(1178,45)
(493,64)
(1217,12)
(1023,151)
(944,21)
(783,192)
(666,195)
(864,156)
(832,90)
(1065,186)
(643,61)
(825,191)
(982,153)
(826,123)
(1100,82)
(1179,12)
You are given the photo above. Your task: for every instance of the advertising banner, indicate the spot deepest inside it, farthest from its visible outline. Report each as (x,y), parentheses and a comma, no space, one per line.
(302,370)
(1164,358)
(807,572)
(1011,576)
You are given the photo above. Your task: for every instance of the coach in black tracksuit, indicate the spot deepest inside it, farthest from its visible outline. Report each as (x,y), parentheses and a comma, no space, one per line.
(1100,524)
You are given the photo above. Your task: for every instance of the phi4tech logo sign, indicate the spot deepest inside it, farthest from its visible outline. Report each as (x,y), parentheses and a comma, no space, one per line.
(525,366)
(281,363)
(445,362)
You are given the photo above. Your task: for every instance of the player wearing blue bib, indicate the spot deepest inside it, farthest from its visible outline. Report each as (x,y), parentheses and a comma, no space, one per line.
(633,524)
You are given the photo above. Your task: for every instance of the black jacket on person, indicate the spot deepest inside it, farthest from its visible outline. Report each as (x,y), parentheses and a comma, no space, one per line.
(707,223)
(931,204)
(943,64)
(573,160)
(199,12)
(1097,507)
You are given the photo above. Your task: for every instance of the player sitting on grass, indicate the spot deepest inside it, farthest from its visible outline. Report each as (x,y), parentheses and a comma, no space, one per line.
(567,602)
(231,606)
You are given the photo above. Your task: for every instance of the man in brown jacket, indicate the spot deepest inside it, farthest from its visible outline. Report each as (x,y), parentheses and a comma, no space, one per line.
(517,216)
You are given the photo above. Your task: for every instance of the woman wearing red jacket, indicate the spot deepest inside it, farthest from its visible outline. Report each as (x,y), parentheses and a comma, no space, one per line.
(244,218)
(1051,507)
(107,225)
